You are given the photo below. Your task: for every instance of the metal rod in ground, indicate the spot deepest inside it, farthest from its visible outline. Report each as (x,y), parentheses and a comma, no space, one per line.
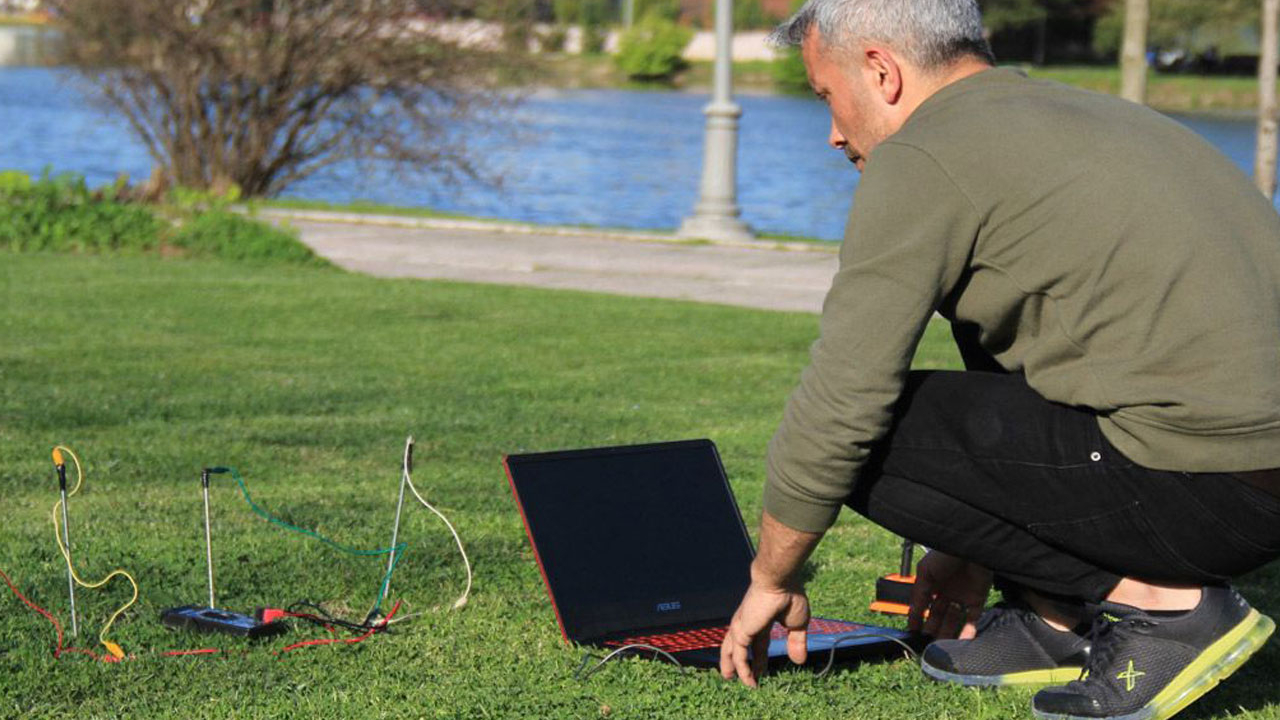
(71,580)
(908,552)
(405,469)
(208,534)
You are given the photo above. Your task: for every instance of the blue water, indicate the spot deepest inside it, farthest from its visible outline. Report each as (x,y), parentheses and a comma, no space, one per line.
(600,157)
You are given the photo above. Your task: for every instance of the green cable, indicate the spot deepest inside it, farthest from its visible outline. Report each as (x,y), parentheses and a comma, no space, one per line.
(396,550)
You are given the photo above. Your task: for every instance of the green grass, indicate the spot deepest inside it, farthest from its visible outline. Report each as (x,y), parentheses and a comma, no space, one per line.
(362,207)
(1170,93)
(308,379)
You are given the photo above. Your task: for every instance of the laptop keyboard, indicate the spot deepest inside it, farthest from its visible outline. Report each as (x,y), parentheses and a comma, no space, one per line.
(712,637)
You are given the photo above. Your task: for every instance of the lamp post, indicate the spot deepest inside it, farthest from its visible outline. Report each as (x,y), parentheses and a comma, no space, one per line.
(715,217)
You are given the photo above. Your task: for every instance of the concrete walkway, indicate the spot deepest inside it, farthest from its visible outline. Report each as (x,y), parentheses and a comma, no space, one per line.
(771,276)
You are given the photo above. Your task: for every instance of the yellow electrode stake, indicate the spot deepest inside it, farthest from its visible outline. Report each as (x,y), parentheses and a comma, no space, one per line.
(61,466)
(58,533)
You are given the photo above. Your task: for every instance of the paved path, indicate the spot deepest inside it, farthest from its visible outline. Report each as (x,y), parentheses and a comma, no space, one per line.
(772,276)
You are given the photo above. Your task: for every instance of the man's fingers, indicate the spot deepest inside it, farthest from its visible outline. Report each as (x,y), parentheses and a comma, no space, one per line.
(742,666)
(798,646)
(726,657)
(937,613)
(946,618)
(760,654)
(921,593)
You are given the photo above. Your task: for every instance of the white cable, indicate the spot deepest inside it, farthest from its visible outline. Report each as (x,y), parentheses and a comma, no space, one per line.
(462,600)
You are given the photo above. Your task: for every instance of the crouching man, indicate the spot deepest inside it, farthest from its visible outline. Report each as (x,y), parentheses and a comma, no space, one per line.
(1110,455)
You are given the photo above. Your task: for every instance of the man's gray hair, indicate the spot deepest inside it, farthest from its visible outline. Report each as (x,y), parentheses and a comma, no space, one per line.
(929,33)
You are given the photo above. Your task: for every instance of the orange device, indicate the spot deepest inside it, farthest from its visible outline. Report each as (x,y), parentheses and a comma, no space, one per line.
(893,592)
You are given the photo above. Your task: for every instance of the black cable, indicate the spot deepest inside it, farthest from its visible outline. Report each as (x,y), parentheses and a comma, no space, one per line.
(580,675)
(831,659)
(586,657)
(325,617)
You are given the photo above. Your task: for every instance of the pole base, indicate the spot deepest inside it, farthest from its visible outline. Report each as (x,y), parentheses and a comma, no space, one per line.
(716,228)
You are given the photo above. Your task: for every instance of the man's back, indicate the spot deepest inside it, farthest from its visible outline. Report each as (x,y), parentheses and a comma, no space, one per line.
(1121,262)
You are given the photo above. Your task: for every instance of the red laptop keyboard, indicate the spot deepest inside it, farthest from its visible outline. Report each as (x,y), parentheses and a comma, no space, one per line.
(712,637)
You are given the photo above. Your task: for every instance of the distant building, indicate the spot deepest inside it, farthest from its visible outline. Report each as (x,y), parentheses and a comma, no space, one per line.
(14,7)
(702,12)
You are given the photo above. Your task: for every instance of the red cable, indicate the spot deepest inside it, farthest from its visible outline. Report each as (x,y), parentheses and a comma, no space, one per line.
(352,641)
(201,651)
(313,618)
(58,649)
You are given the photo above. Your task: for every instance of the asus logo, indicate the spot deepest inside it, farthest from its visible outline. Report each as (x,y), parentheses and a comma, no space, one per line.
(669,606)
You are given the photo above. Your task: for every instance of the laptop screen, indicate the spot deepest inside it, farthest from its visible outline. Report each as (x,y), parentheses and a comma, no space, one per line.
(634,538)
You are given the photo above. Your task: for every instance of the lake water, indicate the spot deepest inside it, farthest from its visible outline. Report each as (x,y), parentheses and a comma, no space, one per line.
(599,157)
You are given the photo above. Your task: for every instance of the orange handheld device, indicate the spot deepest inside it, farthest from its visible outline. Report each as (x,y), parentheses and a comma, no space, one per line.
(893,592)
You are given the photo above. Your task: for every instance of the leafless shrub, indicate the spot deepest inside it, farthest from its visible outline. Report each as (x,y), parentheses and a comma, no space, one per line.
(264,93)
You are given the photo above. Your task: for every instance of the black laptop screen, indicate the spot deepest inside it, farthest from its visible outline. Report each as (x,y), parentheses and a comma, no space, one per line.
(636,537)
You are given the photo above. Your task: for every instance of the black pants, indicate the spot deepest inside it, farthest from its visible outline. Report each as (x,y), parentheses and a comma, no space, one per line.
(980,466)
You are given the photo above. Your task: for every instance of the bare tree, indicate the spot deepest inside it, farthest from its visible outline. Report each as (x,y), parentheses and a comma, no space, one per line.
(263,93)
(1133,52)
(1265,164)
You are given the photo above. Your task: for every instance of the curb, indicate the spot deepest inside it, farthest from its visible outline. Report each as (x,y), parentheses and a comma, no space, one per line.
(402,221)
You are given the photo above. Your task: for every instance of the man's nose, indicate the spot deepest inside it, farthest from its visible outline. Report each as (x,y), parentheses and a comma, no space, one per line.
(834,138)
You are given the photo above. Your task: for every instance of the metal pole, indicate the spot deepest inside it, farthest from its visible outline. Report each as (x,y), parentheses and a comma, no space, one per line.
(208,534)
(904,565)
(1268,110)
(66,536)
(1133,53)
(405,469)
(715,217)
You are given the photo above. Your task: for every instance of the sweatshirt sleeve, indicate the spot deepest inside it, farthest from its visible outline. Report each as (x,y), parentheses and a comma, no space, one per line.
(907,243)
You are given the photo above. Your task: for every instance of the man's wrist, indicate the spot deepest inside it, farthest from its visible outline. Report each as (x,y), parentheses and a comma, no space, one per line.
(783,551)
(769,580)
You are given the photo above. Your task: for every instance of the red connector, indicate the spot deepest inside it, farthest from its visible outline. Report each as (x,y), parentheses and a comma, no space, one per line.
(269,615)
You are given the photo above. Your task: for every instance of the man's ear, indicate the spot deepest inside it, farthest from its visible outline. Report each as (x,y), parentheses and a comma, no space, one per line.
(885,73)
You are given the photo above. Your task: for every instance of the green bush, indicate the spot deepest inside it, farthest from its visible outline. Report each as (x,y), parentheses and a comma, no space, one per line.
(582,12)
(60,213)
(553,39)
(751,15)
(665,9)
(651,49)
(223,234)
(788,71)
(593,39)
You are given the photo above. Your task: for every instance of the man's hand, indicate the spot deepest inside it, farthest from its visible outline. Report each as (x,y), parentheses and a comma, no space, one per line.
(954,592)
(749,631)
(775,593)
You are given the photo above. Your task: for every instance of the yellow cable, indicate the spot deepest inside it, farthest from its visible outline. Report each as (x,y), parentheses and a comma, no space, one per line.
(111,647)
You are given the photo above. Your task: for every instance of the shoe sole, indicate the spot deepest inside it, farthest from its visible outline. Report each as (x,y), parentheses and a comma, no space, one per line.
(1053,676)
(1213,665)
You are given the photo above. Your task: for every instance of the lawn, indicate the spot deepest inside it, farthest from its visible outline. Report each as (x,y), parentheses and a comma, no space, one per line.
(308,379)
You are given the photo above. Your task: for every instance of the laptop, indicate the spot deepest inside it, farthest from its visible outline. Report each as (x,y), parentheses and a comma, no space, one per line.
(644,544)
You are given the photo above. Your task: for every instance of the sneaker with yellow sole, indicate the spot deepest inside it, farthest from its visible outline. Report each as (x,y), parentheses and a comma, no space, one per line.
(1149,666)
(1014,646)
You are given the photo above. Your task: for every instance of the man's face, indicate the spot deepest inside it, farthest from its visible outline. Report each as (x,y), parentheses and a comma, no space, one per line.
(859,115)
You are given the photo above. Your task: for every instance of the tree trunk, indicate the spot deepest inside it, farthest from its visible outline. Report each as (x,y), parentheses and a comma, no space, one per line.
(1133,56)
(1265,165)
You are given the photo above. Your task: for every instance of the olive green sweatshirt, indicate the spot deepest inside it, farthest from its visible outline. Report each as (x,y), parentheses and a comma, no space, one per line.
(1109,254)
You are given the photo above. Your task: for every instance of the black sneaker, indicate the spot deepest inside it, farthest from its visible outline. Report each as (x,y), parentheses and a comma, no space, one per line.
(1145,666)
(1013,646)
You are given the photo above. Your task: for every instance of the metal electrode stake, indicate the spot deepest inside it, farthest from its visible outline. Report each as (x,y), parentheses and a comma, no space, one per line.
(208,534)
(908,551)
(66,536)
(405,469)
